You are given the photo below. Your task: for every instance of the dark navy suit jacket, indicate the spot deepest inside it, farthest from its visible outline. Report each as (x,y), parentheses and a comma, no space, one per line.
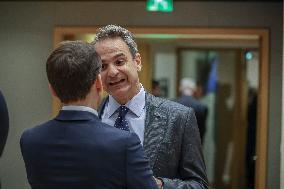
(77,150)
(4,123)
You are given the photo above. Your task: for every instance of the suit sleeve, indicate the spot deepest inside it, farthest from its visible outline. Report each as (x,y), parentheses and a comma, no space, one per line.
(138,172)
(25,154)
(191,167)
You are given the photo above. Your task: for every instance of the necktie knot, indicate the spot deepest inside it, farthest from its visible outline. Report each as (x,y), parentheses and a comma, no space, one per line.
(120,121)
(122,111)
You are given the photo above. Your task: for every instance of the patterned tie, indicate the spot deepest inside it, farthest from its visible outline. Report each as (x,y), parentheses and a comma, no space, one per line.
(120,121)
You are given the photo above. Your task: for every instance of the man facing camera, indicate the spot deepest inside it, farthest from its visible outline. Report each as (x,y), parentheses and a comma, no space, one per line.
(167,130)
(75,149)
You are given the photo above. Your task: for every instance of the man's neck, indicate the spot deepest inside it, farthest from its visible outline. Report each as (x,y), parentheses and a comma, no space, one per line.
(84,102)
(128,98)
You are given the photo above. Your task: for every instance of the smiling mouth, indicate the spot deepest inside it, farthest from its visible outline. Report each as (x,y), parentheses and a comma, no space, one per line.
(116,83)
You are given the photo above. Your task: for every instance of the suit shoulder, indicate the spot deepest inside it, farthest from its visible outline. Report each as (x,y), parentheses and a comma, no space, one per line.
(169,108)
(119,138)
(174,106)
(114,132)
(35,130)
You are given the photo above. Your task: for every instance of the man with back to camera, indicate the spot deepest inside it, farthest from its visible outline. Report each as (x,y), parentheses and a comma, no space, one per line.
(75,150)
(189,98)
(167,130)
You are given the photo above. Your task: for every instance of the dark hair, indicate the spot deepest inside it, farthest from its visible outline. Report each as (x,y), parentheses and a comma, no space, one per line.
(71,70)
(155,83)
(113,31)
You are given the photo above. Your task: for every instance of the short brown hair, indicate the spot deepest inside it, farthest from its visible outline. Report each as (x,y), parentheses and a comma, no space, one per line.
(71,70)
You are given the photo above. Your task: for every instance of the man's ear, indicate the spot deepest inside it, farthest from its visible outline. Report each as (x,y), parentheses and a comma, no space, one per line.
(97,87)
(98,84)
(52,90)
(138,61)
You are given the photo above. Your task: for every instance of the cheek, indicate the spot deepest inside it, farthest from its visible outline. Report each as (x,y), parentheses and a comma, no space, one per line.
(103,76)
(131,70)
(133,76)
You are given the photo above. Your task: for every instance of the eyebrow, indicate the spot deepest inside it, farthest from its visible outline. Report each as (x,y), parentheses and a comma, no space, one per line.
(119,55)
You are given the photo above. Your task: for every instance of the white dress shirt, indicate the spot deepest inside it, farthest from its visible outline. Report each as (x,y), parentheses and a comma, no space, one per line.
(135,116)
(80,108)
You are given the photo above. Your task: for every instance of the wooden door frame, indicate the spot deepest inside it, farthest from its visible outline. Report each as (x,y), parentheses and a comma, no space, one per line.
(262,35)
(239,122)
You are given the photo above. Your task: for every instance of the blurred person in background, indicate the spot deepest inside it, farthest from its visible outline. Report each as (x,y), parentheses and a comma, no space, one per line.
(190,95)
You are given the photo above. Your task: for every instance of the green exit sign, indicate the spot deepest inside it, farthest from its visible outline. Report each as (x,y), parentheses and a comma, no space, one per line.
(159,5)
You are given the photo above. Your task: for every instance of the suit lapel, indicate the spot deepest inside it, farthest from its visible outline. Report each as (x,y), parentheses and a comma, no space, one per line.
(155,127)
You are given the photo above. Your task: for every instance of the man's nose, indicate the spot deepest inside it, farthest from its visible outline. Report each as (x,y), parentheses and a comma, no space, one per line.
(113,71)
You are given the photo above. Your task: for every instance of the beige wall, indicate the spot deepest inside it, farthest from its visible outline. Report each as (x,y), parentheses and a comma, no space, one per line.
(26,34)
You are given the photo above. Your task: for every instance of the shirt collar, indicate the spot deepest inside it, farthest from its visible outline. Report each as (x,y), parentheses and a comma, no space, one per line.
(80,108)
(136,104)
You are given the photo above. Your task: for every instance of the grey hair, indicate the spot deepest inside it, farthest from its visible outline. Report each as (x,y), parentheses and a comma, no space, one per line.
(113,31)
(187,86)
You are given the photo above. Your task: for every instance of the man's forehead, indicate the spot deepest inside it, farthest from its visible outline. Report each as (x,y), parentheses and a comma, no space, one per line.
(111,45)
(111,50)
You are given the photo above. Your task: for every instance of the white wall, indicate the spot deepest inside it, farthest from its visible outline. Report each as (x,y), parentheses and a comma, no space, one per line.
(189,64)
(26,35)
(165,66)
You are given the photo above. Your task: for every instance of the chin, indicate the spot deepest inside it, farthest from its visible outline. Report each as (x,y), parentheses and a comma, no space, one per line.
(120,95)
